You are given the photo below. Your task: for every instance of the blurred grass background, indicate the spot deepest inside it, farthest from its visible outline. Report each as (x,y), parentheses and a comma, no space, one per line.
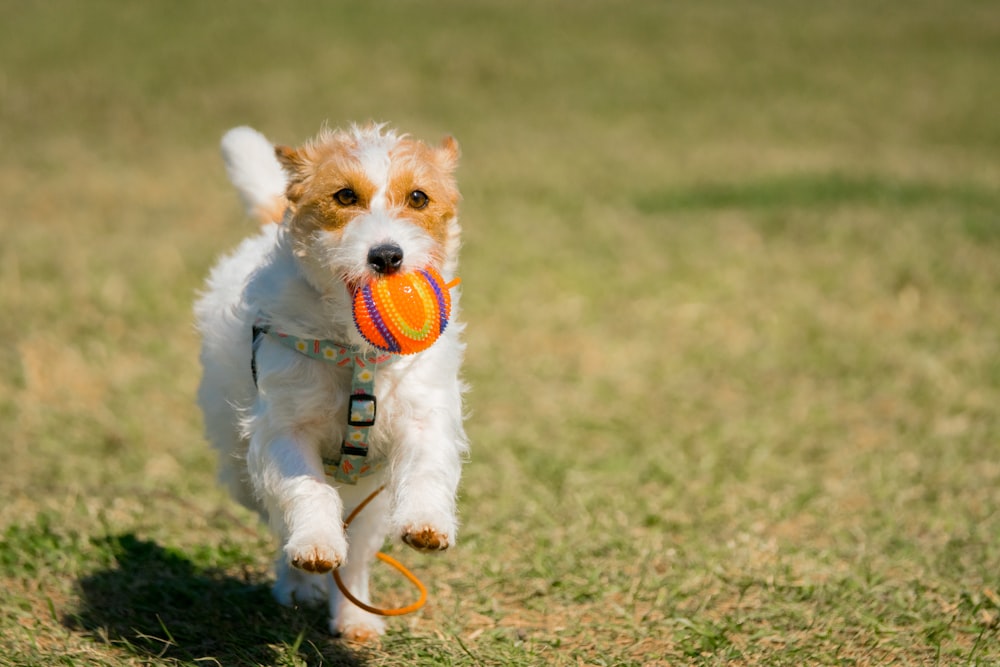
(731,273)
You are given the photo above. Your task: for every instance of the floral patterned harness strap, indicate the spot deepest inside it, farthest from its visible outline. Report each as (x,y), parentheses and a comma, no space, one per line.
(353,463)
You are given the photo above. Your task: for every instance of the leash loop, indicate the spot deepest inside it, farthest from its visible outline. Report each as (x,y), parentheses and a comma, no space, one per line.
(385,558)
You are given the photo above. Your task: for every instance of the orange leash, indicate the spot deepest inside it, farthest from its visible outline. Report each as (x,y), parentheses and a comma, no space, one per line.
(385,558)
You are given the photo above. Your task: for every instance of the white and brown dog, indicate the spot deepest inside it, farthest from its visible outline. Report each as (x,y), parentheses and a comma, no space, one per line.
(348,205)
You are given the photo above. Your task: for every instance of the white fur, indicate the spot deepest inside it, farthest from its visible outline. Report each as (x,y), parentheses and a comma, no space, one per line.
(252,167)
(271,437)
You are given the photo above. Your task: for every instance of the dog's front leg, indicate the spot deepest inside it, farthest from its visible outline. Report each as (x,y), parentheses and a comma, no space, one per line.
(303,509)
(427,471)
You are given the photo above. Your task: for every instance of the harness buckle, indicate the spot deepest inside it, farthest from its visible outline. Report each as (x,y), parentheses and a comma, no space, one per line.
(361,410)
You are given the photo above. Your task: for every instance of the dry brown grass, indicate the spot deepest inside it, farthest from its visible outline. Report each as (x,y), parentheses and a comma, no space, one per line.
(731,280)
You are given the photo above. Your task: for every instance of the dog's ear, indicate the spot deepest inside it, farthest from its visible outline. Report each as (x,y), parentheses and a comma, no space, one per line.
(294,164)
(448,153)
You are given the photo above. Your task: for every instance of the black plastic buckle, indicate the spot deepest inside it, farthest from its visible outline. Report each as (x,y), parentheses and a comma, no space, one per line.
(353,451)
(361,410)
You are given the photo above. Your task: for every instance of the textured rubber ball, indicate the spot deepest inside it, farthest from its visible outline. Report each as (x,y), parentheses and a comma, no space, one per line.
(403,313)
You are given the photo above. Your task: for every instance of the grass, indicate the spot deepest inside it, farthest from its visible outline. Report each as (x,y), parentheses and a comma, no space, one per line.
(731,279)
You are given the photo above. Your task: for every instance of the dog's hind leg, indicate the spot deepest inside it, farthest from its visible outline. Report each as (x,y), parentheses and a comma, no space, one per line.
(365,537)
(295,587)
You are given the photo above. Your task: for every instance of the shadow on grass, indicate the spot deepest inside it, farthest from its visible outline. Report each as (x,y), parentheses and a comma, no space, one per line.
(155,603)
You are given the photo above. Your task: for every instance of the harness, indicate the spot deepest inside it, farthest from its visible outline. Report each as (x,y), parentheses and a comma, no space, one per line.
(353,463)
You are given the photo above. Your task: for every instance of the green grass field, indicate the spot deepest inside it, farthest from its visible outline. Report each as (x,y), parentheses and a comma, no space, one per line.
(732,282)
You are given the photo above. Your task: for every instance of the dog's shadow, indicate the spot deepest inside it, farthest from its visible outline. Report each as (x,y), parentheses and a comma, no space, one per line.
(155,603)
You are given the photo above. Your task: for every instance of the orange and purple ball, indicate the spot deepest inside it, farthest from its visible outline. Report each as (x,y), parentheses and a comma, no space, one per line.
(403,313)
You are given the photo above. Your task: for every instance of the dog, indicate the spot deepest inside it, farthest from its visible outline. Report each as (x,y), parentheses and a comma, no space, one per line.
(346,207)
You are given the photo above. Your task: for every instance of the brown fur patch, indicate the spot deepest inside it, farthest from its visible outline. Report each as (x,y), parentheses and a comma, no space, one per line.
(314,563)
(425,539)
(417,166)
(330,162)
(273,212)
(359,635)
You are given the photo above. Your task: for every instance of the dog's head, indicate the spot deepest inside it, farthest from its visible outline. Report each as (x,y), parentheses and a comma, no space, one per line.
(366,202)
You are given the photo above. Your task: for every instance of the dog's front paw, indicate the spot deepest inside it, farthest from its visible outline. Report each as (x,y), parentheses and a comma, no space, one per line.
(316,552)
(315,559)
(426,538)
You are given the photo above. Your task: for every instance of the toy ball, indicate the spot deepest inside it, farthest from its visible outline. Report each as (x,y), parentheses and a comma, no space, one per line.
(403,313)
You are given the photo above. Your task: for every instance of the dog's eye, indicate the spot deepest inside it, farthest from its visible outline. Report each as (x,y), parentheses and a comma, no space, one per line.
(345,197)
(418,199)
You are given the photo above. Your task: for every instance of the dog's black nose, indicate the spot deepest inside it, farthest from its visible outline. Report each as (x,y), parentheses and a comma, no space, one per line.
(385,258)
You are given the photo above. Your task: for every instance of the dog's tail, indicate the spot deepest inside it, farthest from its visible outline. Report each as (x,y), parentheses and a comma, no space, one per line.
(256,173)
